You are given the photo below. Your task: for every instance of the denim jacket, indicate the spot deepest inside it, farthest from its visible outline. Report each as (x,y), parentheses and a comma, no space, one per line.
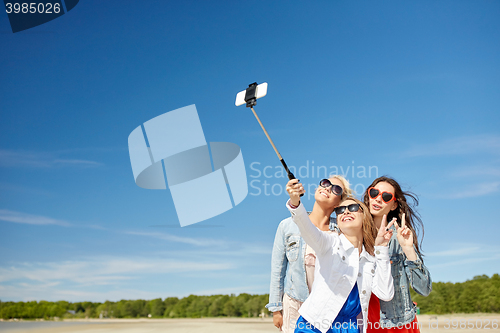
(401,310)
(288,270)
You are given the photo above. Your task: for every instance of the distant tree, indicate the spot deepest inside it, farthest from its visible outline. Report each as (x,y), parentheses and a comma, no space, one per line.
(157,307)
(120,310)
(229,308)
(170,302)
(468,299)
(253,307)
(216,309)
(481,294)
(179,309)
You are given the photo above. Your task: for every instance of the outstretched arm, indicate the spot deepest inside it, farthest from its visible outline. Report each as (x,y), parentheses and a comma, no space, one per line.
(318,240)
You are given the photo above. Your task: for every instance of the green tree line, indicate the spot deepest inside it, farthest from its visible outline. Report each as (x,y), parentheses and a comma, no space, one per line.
(481,294)
(243,305)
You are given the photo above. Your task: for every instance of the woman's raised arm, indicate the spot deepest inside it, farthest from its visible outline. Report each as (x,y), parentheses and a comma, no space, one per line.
(315,238)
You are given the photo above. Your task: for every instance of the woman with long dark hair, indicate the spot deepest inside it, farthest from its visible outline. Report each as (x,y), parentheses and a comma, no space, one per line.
(386,200)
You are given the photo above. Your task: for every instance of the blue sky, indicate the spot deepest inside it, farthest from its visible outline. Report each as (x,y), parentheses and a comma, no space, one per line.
(410,90)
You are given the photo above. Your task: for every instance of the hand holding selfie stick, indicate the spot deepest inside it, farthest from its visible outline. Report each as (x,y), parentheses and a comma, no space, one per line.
(249,96)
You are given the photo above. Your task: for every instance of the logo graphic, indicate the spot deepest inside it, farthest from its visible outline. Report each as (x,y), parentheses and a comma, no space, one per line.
(25,15)
(205,180)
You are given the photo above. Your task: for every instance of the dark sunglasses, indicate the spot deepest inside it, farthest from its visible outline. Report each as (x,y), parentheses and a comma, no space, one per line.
(352,208)
(386,196)
(336,189)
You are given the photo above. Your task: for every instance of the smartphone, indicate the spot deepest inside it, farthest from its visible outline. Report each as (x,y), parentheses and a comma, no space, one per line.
(260,91)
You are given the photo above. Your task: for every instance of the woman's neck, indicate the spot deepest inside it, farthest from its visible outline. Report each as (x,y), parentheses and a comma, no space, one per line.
(356,240)
(320,217)
(377,220)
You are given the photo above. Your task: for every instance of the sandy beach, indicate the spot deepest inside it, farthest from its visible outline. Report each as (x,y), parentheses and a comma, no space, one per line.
(462,323)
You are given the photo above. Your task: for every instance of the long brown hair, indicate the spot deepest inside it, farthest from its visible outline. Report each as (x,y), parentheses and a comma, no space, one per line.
(412,220)
(369,229)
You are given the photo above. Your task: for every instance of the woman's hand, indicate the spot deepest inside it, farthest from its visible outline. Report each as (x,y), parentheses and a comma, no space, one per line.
(278,319)
(384,232)
(405,239)
(294,189)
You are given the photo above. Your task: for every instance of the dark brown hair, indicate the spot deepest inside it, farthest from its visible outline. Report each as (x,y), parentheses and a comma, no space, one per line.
(412,220)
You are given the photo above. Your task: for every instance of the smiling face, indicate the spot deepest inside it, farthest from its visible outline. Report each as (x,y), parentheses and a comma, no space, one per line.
(379,207)
(350,222)
(325,195)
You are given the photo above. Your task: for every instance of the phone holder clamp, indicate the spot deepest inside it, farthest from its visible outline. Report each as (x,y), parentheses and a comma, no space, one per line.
(251,95)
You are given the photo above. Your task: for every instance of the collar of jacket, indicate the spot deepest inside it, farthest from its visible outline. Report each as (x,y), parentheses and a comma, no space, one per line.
(347,245)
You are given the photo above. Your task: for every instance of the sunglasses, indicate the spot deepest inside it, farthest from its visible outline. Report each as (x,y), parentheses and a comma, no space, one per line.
(336,189)
(352,208)
(386,196)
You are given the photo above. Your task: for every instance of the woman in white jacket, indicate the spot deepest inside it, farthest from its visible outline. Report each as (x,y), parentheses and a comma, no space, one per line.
(350,266)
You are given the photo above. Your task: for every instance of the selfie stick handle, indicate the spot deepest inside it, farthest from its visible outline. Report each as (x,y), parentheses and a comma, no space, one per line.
(251,101)
(290,174)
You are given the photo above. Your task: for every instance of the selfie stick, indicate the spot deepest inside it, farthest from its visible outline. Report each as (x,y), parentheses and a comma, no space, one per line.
(251,101)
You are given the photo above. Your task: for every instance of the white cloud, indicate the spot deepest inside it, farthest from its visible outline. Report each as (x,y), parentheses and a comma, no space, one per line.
(460,251)
(19,158)
(8,188)
(476,171)
(463,262)
(52,292)
(76,162)
(252,289)
(469,253)
(178,239)
(24,218)
(103,270)
(18,217)
(121,277)
(473,190)
(458,146)
(218,247)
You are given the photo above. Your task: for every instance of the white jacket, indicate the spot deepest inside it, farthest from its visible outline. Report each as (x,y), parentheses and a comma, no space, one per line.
(338,267)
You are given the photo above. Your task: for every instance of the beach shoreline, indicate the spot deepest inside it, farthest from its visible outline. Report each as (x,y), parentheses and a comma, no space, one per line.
(450,323)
